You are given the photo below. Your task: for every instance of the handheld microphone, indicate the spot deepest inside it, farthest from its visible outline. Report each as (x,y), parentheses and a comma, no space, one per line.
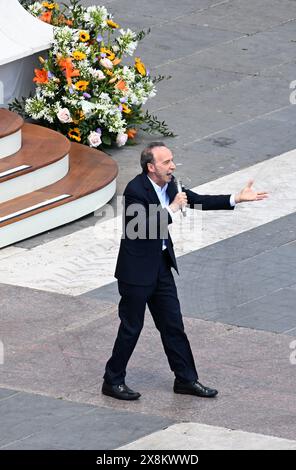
(179,189)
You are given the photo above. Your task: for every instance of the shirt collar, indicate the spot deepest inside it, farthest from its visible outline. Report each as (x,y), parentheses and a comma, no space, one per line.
(158,188)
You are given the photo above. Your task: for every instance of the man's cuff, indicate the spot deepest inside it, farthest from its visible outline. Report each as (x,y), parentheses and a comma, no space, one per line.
(170,211)
(232,200)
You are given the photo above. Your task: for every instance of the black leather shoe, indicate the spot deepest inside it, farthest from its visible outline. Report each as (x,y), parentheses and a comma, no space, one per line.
(121,392)
(194,388)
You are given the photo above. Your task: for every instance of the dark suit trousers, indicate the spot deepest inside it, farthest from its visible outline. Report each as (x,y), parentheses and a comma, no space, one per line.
(164,306)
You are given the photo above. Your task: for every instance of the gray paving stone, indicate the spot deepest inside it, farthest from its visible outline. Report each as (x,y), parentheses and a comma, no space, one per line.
(246,97)
(232,149)
(5,393)
(108,293)
(246,17)
(28,315)
(264,415)
(23,415)
(195,120)
(31,422)
(187,81)
(274,311)
(249,244)
(286,71)
(240,362)
(150,14)
(219,109)
(241,280)
(192,39)
(252,54)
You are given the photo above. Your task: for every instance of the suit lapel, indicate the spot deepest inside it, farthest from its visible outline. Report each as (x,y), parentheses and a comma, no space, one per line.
(172,190)
(150,191)
(152,196)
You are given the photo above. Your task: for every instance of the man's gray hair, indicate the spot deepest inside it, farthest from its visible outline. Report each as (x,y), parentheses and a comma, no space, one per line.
(147,154)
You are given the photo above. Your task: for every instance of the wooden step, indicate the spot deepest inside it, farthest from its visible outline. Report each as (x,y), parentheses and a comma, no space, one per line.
(9,122)
(10,132)
(90,184)
(42,160)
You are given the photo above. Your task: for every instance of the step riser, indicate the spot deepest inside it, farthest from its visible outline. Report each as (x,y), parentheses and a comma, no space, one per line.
(24,184)
(10,144)
(56,216)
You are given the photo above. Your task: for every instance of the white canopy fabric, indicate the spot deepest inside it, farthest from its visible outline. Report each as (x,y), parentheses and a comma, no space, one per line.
(22,36)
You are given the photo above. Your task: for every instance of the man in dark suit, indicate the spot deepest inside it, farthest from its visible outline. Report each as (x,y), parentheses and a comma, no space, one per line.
(144,275)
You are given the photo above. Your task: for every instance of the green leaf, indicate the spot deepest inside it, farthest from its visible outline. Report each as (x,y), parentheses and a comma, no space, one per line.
(106,139)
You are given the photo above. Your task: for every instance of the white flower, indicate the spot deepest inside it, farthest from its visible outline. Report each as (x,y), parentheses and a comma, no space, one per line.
(106,63)
(36,106)
(127,74)
(121,139)
(96,16)
(130,48)
(64,115)
(127,41)
(97,74)
(36,8)
(88,108)
(94,139)
(105,97)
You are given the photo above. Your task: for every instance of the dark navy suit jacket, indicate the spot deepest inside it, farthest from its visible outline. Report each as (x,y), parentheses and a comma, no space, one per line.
(140,255)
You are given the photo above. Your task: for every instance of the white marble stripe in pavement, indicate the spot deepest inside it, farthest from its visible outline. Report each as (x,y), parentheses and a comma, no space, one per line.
(195,436)
(85,260)
(10,251)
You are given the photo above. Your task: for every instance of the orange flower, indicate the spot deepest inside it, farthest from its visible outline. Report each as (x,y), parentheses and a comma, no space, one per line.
(40,76)
(131,133)
(140,67)
(74,134)
(121,85)
(46,17)
(67,66)
(112,24)
(116,61)
(62,19)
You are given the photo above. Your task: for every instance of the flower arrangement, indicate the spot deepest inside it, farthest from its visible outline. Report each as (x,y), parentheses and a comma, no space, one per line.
(83,88)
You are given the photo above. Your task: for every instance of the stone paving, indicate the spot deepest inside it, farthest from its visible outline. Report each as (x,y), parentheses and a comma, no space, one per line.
(231,64)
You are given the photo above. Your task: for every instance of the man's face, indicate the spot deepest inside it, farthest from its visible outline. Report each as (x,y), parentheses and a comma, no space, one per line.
(162,168)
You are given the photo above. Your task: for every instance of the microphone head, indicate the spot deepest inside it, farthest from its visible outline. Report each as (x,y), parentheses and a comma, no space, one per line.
(178,184)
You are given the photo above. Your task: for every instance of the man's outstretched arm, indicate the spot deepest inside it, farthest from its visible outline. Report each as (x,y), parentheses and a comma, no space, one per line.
(223,202)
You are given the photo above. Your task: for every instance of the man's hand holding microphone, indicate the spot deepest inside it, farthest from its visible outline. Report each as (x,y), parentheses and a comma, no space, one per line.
(180,200)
